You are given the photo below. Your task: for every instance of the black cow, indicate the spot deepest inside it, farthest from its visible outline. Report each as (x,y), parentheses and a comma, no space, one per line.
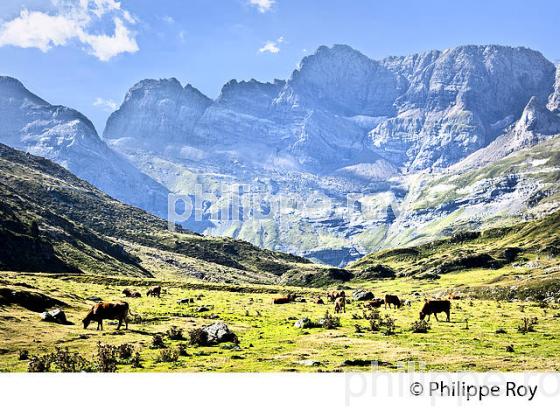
(434,307)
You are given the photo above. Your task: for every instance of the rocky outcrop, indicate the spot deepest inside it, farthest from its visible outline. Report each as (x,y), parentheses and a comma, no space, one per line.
(54,316)
(554,99)
(536,124)
(219,332)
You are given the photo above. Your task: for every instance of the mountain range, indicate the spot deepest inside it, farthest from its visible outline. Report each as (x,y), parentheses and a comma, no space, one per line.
(347,156)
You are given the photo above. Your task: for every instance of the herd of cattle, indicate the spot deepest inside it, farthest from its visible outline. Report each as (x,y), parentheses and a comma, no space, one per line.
(431,307)
(120,310)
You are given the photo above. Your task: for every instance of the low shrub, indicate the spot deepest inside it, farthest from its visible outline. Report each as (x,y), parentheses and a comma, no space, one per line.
(329,321)
(61,361)
(125,351)
(136,361)
(175,333)
(420,326)
(168,356)
(198,337)
(527,325)
(157,342)
(182,349)
(106,358)
(389,324)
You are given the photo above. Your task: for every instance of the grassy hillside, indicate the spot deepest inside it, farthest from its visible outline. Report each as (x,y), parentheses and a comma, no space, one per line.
(525,256)
(67,225)
(483,335)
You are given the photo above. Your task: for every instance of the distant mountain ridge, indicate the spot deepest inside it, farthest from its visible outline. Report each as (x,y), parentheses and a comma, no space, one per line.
(66,136)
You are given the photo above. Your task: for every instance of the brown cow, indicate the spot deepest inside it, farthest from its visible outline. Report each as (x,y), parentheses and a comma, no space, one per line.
(130,294)
(340,305)
(434,307)
(392,300)
(333,296)
(374,303)
(154,291)
(286,299)
(104,310)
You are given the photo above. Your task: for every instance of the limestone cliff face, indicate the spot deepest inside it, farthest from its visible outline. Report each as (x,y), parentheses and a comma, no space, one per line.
(459,101)
(554,100)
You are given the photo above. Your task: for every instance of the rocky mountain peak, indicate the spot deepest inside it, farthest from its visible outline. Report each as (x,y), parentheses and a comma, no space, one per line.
(67,137)
(343,81)
(161,110)
(12,88)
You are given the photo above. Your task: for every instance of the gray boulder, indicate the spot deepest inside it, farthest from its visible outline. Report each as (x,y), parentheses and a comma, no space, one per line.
(303,323)
(55,316)
(362,294)
(219,332)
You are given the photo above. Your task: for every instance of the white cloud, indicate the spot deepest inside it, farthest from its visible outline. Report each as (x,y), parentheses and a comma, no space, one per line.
(105,47)
(38,30)
(72,20)
(106,104)
(272,46)
(262,5)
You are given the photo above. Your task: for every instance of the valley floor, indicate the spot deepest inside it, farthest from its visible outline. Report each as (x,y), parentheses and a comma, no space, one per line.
(269,342)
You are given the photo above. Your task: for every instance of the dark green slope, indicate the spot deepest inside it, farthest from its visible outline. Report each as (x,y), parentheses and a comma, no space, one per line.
(82,229)
(489,249)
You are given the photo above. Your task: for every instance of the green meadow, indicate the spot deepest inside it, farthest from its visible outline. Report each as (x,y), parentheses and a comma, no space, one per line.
(483,334)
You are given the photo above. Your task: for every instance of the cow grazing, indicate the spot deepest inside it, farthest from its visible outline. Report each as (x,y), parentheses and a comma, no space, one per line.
(340,305)
(374,303)
(286,299)
(434,307)
(131,294)
(104,310)
(154,292)
(333,296)
(392,300)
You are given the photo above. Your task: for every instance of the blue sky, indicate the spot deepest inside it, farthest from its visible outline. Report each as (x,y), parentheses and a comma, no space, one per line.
(87,53)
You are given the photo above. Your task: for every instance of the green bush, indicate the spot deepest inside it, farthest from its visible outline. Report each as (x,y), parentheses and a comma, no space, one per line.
(198,337)
(420,326)
(168,355)
(157,342)
(175,333)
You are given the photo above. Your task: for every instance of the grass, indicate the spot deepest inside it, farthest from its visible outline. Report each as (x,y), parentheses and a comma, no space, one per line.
(268,340)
